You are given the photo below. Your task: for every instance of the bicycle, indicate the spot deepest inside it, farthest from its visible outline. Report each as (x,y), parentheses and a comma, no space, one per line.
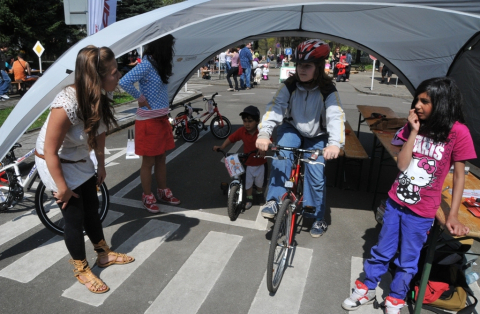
(184,125)
(236,203)
(282,242)
(12,192)
(220,125)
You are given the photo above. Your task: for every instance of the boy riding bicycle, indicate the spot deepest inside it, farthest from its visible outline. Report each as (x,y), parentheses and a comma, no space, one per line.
(256,167)
(313,118)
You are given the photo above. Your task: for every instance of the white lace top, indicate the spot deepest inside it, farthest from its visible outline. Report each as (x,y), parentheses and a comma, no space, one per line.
(74,146)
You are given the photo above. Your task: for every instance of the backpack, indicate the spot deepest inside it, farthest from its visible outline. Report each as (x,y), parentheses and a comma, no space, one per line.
(447,288)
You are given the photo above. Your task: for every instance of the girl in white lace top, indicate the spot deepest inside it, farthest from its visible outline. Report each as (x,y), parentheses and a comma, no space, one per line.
(79,117)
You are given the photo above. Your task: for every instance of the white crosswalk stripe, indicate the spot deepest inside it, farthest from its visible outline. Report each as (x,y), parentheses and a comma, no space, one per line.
(186,292)
(44,256)
(288,297)
(141,245)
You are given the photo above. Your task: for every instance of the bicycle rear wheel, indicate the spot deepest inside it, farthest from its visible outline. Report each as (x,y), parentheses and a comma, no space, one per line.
(218,130)
(6,196)
(233,207)
(279,253)
(191,135)
(50,214)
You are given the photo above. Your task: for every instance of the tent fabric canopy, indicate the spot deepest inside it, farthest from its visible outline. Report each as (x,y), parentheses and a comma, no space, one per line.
(416,39)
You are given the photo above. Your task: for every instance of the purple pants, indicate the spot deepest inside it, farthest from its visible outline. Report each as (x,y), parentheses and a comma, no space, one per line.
(402,230)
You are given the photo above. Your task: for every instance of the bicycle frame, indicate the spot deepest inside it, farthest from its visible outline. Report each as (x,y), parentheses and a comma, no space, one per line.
(15,165)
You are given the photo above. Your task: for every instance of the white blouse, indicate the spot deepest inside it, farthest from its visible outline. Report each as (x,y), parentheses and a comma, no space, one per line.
(74,146)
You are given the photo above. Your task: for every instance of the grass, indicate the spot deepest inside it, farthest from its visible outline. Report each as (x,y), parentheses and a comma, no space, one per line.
(118,99)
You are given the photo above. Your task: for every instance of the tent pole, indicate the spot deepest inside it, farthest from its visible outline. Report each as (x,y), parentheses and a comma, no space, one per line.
(373,74)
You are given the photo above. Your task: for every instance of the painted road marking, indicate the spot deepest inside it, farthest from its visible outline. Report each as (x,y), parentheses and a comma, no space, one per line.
(200,271)
(289,295)
(141,245)
(44,256)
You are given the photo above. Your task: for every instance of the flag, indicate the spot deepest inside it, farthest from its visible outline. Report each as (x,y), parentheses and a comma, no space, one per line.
(109,12)
(95,15)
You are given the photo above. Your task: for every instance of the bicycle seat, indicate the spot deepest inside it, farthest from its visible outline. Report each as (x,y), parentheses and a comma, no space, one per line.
(16,145)
(197,110)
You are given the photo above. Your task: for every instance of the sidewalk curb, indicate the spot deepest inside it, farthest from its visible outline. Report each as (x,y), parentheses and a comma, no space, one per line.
(131,121)
(382,94)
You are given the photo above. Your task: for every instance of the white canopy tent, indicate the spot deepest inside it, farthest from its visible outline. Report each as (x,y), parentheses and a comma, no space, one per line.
(416,39)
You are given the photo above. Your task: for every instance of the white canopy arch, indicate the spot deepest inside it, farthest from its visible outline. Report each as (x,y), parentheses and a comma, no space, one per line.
(417,39)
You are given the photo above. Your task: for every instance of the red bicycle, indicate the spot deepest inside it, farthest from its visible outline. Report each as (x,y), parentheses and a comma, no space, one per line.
(220,125)
(281,245)
(184,125)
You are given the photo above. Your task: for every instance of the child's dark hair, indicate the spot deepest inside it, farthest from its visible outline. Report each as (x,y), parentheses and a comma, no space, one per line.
(447,103)
(160,54)
(246,116)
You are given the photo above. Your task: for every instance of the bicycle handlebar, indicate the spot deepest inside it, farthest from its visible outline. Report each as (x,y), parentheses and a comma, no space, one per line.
(240,155)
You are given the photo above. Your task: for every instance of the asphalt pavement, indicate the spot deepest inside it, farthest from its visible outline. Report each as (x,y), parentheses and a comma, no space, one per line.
(191,258)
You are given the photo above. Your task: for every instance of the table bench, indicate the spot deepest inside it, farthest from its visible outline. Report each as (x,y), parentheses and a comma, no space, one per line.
(353,151)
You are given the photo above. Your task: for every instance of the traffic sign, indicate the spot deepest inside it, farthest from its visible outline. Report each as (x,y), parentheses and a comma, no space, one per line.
(278,45)
(288,51)
(372,57)
(38,48)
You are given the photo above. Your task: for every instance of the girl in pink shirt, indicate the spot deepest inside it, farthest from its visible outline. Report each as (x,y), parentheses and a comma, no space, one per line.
(436,138)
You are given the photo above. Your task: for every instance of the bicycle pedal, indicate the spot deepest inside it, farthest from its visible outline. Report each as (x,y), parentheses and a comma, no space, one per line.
(309,209)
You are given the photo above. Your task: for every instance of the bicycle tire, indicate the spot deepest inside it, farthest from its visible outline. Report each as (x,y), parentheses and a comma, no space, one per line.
(6,195)
(217,130)
(192,136)
(279,252)
(234,208)
(49,212)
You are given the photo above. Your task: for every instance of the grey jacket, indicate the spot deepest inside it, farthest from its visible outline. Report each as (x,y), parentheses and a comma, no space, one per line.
(311,112)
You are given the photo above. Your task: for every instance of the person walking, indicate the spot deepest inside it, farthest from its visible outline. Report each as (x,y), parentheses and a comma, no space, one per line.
(4,78)
(246,60)
(153,132)
(233,70)
(79,117)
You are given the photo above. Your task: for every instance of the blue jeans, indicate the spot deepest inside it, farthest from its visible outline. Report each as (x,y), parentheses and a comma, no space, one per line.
(228,64)
(314,187)
(4,83)
(245,77)
(404,230)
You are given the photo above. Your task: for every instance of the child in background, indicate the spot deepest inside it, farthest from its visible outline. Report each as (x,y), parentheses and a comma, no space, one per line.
(256,167)
(258,75)
(436,138)
(265,71)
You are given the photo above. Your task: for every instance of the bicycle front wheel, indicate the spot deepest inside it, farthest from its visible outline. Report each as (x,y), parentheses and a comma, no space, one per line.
(233,207)
(221,127)
(279,253)
(50,214)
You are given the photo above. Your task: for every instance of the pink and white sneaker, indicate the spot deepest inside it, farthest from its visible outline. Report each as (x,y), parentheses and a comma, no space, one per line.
(149,202)
(393,305)
(166,196)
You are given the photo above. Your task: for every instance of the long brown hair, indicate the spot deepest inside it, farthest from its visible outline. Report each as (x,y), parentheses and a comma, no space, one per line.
(93,105)
(320,78)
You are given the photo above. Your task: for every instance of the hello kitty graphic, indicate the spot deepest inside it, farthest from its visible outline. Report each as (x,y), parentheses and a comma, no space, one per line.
(420,173)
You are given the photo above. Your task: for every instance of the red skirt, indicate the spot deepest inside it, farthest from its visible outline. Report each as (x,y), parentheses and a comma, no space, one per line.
(153,137)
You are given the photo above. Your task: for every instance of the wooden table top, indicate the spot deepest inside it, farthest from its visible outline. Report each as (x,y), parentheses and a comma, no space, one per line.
(353,147)
(464,216)
(366,111)
(385,138)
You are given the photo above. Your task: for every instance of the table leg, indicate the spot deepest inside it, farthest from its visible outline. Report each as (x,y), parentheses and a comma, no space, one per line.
(427,266)
(372,159)
(359,122)
(378,178)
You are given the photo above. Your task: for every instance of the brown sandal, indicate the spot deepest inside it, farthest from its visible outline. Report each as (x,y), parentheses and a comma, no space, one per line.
(82,269)
(103,250)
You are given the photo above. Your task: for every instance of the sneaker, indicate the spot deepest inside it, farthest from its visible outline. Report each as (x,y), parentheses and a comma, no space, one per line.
(230,90)
(319,227)
(360,296)
(166,196)
(149,203)
(5,97)
(270,209)
(393,305)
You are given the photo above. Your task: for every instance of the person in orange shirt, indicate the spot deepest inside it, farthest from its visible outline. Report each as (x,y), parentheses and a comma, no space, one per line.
(19,68)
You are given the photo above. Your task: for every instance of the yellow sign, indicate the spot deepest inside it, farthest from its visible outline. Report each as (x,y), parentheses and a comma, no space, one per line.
(38,48)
